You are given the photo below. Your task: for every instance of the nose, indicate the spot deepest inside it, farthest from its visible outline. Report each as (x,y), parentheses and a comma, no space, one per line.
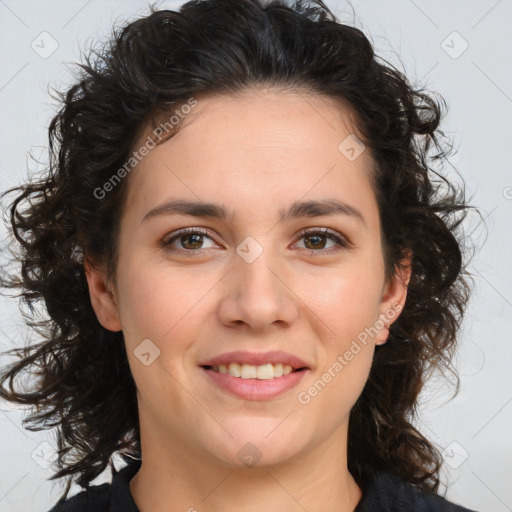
(256,294)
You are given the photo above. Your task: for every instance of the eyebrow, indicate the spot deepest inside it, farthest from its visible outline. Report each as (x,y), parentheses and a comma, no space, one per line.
(313,208)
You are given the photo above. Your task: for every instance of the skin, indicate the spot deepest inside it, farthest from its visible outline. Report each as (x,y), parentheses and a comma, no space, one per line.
(255,153)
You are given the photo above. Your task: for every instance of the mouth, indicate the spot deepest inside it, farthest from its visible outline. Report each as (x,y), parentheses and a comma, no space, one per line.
(255,375)
(266,371)
(254,383)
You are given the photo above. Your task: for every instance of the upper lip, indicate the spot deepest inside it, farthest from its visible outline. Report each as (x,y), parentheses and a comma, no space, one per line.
(256,359)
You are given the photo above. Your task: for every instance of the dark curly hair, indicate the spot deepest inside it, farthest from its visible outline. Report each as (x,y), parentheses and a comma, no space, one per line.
(83,384)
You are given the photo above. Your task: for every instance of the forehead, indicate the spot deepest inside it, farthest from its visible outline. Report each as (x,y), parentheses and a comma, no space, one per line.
(260,117)
(256,147)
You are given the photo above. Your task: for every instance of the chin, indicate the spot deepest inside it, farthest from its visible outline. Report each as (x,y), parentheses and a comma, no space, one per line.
(258,449)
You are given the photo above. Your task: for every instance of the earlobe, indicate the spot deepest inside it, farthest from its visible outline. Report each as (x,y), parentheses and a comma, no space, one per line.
(102,298)
(393,299)
(383,334)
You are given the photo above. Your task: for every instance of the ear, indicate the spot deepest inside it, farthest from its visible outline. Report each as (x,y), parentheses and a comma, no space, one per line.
(102,298)
(393,298)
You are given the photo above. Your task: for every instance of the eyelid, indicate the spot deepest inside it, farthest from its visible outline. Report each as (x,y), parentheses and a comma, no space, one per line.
(326,231)
(184,231)
(340,239)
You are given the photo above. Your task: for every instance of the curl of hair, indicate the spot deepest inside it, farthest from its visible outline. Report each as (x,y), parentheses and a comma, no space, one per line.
(83,385)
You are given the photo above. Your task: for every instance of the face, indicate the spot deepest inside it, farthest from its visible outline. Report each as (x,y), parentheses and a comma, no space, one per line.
(268,282)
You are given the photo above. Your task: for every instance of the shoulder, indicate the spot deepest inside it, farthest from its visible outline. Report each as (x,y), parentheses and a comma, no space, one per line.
(385,492)
(96,499)
(110,497)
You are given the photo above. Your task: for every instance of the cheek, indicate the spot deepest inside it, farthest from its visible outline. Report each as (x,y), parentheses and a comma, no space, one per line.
(162,307)
(340,378)
(347,301)
(156,304)
(348,308)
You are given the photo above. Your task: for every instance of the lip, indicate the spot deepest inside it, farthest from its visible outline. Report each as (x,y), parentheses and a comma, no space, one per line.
(257,359)
(255,389)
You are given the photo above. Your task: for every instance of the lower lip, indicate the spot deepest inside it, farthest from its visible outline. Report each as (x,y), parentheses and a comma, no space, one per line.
(255,389)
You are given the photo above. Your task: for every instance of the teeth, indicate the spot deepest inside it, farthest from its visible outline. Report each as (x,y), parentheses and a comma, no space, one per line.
(249,371)
(279,370)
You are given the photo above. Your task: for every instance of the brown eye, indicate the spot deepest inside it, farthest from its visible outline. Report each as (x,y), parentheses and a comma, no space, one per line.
(316,239)
(194,240)
(190,240)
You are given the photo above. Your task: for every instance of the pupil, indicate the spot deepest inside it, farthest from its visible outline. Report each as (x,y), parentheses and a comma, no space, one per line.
(313,237)
(197,237)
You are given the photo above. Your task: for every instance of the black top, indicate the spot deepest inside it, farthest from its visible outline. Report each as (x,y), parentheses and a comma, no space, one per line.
(382,492)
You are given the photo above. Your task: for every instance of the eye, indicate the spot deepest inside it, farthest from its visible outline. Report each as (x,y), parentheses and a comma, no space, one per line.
(316,238)
(190,239)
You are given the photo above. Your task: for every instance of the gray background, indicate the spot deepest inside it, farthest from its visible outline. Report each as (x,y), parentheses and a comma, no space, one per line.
(38,39)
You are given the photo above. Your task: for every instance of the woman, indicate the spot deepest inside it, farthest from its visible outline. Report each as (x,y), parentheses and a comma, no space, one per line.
(248,268)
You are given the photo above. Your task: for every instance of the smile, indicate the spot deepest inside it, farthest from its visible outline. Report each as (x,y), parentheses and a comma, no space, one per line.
(265,385)
(249,371)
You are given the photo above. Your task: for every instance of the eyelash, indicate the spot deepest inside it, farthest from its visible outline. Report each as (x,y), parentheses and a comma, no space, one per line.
(330,234)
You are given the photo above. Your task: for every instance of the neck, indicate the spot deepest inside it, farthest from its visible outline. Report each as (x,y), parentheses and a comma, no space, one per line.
(316,481)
